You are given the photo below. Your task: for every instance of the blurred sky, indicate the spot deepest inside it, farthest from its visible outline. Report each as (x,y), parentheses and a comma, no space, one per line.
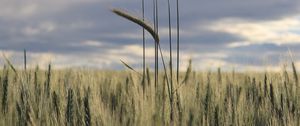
(240,34)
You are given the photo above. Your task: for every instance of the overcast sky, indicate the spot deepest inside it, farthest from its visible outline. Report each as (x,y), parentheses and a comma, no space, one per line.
(240,34)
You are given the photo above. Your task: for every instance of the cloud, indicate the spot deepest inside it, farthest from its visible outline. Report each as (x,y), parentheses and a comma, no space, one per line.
(41,59)
(86,33)
(89,43)
(206,11)
(211,63)
(10,9)
(275,32)
(43,28)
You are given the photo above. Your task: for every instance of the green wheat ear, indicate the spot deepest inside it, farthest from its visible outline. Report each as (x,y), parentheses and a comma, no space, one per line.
(9,63)
(129,67)
(138,21)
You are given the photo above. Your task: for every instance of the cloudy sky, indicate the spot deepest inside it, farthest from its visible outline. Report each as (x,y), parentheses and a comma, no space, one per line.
(240,34)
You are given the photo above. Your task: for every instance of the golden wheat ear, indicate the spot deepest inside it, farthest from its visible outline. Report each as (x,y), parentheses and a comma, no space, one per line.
(129,67)
(138,21)
(9,63)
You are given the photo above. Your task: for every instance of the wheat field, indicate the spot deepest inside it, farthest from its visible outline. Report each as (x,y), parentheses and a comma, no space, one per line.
(148,97)
(91,97)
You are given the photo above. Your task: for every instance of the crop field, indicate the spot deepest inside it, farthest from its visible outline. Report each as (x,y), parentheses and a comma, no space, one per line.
(158,95)
(89,97)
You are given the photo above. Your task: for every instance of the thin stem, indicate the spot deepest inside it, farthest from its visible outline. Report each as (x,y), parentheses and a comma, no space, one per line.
(169,87)
(144,43)
(165,70)
(178,39)
(170,43)
(156,17)
(171,66)
(155,55)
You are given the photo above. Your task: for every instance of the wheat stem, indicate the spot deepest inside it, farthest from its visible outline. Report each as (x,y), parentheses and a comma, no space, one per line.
(178,39)
(144,43)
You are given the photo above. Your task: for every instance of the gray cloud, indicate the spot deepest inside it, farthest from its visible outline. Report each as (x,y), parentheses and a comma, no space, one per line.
(60,27)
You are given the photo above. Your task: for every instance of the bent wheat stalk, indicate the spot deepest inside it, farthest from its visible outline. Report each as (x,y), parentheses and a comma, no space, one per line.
(151,31)
(137,21)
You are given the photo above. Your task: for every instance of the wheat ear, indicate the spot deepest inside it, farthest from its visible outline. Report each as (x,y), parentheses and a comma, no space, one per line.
(137,21)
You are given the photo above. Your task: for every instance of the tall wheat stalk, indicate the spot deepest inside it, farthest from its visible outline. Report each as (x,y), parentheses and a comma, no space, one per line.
(178,39)
(144,44)
(170,39)
(171,66)
(155,46)
(156,38)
